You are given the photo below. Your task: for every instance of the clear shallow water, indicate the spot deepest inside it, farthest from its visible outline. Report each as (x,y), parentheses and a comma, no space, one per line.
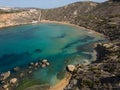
(60,44)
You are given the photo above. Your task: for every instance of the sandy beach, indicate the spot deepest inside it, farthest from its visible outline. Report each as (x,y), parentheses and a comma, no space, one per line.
(68,23)
(62,84)
(58,22)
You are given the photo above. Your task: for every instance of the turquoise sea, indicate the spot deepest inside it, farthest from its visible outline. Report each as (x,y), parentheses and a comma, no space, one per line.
(60,44)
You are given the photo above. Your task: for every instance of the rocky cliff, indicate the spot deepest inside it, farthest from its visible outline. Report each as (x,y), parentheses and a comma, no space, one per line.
(18,18)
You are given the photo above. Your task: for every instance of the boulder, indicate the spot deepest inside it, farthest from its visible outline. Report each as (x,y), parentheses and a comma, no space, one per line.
(70,68)
(108,45)
(5,75)
(36,64)
(13,80)
(5,86)
(43,65)
(44,61)
(29,72)
(47,63)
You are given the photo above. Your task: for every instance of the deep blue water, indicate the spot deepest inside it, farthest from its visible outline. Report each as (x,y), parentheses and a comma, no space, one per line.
(60,44)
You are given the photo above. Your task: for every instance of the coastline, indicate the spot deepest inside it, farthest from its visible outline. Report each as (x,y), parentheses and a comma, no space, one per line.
(68,23)
(99,19)
(62,83)
(57,22)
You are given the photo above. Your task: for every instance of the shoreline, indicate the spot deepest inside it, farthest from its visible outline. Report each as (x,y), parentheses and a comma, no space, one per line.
(62,83)
(57,22)
(68,23)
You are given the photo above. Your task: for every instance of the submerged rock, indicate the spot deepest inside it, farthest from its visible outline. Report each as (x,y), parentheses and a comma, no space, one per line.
(36,64)
(44,61)
(47,63)
(37,51)
(16,69)
(43,65)
(5,75)
(29,72)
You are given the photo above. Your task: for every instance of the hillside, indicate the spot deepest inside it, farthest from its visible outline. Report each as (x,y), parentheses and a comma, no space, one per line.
(104,18)
(91,15)
(68,13)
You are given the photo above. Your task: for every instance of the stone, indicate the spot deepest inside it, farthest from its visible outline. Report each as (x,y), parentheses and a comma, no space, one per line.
(31,63)
(21,74)
(70,68)
(29,72)
(5,86)
(5,75)
(47,63)
(74,81)
(7,89)
(36,64)
(43,65)
(44,61)
(13,80)
(16,69)
(86,62)
(108,45)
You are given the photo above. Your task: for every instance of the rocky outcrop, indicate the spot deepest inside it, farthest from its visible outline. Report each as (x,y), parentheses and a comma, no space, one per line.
(19,18)
(13,80)
(5,75)
(70,68)
(104,74)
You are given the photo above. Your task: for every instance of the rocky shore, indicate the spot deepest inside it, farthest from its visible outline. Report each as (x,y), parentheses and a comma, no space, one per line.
(10,80)
(101,74)
(104,73)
